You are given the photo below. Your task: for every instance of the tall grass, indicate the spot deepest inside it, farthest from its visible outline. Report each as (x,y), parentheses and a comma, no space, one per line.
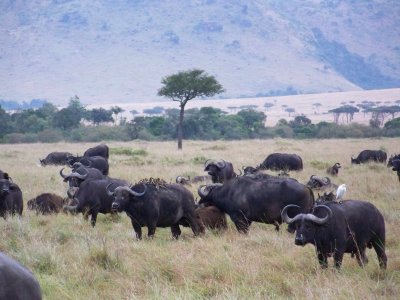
(72,260)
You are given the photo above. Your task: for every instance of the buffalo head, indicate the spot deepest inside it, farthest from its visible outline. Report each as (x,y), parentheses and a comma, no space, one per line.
(306,225)
(122,195)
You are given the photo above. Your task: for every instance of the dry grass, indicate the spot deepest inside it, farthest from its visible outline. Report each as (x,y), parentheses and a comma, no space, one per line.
(74,261)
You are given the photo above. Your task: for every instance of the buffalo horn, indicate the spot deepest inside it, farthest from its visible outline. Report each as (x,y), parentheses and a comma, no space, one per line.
(318,220)
(109,193)
(61,173)
(201,192)
(240,172)
(132,192)
(206,162)
(221,164)
(285,216)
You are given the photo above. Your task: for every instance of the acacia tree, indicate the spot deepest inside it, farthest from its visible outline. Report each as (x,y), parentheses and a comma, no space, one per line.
(185,86)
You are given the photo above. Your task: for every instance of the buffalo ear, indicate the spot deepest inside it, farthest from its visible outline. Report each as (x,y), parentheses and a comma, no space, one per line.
(6,176)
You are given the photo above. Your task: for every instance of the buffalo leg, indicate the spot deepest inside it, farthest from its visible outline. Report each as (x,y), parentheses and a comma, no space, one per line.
(380,252)
(176,231)
(93,218)
(323,260)
(242,225)
(151,230)
(338,257)
(361,257)
(138,230)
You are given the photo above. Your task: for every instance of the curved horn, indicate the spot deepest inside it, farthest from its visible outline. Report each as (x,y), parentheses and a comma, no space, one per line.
(62,175)
(221,164)
(202,193)
(206,162)
(77,175)
(132,192)
(318,220)
(285,216)
(109,193)
(240,173)
(177,179)
(328,180)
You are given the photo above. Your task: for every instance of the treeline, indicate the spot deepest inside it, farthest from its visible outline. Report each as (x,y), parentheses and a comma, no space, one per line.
(75,123)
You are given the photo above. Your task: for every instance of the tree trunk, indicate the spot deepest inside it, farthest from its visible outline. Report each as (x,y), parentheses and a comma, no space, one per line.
(180,127)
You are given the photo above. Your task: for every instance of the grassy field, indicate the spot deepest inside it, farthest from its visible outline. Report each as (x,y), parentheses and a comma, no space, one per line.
(72,260)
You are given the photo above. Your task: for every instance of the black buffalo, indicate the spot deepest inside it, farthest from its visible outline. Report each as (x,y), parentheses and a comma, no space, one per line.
(337,228)
(55,158)
(220,171)
(92,198)
(11,201)
(391,158)
(246,199)
(17,282)
(396,167)
(378,156)
(97,162)
(151,205)
(46,203)
(334,170)
(99,150)
(78,175)
(282,162)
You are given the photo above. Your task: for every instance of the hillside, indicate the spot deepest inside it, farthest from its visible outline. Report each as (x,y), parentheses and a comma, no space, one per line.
(118,51)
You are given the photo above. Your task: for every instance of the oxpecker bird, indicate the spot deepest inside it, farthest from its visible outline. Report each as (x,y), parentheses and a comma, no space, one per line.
(340,192)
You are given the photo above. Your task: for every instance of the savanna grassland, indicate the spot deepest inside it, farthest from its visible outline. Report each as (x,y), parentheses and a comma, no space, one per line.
(72,260)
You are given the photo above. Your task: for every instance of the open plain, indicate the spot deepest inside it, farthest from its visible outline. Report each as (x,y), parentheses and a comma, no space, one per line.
(72,260)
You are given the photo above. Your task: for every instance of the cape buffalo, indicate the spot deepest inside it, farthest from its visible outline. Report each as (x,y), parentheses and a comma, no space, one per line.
(378,156)
(46,203)
(391,158)
(338,228)
(78,175)
(17,282)
(151,205)
(258,199)
(396,167)
(10,198)
(334,170)
(99,150)
(282,161)
(97,162)
(92,198)
(220,171)
(55,158)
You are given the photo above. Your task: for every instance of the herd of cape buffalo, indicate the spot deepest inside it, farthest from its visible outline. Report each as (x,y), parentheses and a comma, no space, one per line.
(334,228)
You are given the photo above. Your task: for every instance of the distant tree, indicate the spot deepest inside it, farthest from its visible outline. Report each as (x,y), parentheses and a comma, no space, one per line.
(379,114)
(70,116)
(290,110)
(134,112)
(5,122)
(348,110)
(301,120)
(185,86)
(116,110)
(317,105)
(100,115)
(253,120)
(268,105)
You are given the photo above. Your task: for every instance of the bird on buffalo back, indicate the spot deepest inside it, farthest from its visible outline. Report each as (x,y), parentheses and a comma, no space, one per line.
(340,192)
